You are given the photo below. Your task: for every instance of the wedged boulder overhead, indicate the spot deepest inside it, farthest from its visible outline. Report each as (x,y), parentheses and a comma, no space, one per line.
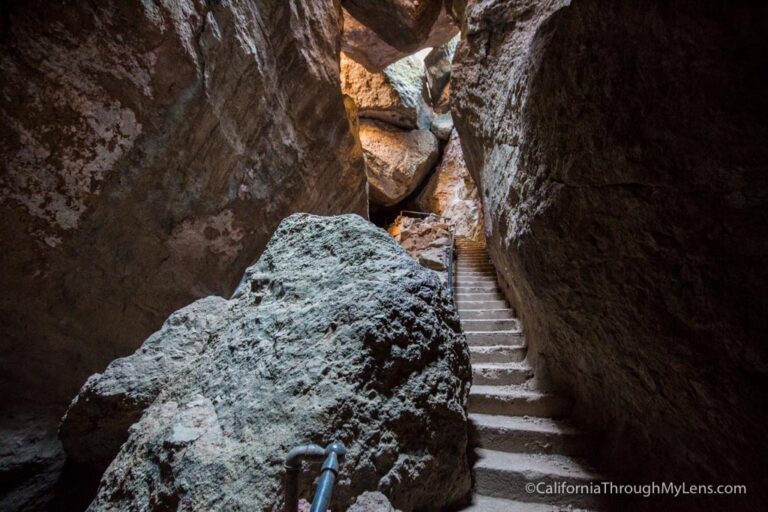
(153,137)
(620,151)
(395,95)
(403,24)
(438,69)
(451,193)
(397,160)
(334,334)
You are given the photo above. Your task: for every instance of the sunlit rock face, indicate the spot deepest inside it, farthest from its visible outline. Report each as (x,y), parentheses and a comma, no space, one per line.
(148,151)
(397,160)
(402,24)
(395,95)
(452,193)
(334,334)
(620,152)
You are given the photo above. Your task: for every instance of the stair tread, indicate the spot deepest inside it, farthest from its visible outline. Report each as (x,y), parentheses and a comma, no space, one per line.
(490,504)
(508,391)
(523,423)
(533,464)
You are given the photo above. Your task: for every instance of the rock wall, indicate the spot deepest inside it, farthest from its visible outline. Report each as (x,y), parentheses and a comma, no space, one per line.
(334,334)
(148,152)
(620,151)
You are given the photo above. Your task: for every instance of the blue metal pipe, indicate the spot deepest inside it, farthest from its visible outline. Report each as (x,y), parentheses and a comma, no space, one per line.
(328,474)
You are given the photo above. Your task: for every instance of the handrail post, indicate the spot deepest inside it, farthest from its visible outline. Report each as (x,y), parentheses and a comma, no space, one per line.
(293,467)
(328,474)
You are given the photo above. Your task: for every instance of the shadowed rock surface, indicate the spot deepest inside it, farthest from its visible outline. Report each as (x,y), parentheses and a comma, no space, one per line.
(402,24)
(365,46)
(149,150)
(335,333)
(620,151)
(396,160)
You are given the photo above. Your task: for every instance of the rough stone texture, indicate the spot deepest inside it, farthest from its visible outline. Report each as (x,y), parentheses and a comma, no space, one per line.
(30,461)
(451,193)
(148,151)
(396,160)
(364,46)
(395,95)
(438,69)
(442,126)
(620,148)
(372,502)
(425,239)
(403,24)
(335,333)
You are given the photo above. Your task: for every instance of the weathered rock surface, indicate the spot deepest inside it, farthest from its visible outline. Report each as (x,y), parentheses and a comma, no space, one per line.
(153,138)
(365,46)
(395,95)
(403,24)
(620,151)
(335,333)
(372,502)
(451,193)
(425,239)
(397,160)
(438,69)
(30,461)
(442,126)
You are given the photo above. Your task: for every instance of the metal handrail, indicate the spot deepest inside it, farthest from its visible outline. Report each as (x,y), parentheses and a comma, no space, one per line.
(333,454)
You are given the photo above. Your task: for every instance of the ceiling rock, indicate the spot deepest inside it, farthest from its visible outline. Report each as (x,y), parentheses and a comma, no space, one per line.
(397,160)
(335,333)
(148,154)
(402,24)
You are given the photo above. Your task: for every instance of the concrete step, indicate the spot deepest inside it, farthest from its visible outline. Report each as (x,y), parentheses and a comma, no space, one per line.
(482,281)
(485,314)
(462,275)
(505,475)
(479,296)
(496,354)
(500,374)
(527,434)
(516,401)
(482,503)
(474,266)
(481,304)
(498,324)
(482,288)
(486,338)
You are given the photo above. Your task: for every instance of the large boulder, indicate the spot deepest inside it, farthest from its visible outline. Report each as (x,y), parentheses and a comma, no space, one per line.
(334,334)
(162,138)
(620,148)
(397,160)
(451,193)
(403,24)
(395,95)
(366,47)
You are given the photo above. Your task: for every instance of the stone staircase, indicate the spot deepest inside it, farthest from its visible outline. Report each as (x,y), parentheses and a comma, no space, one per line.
(518,428)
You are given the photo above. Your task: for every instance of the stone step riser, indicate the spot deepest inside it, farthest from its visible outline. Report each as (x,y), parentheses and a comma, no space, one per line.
(489,288)
(490,338)
(511,485)
(486,314)
(544,406)
(487,376)
(501,355)
(478,296)
(483,304)
(573,444)
(507,324)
